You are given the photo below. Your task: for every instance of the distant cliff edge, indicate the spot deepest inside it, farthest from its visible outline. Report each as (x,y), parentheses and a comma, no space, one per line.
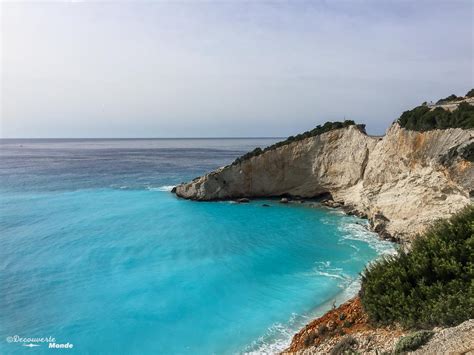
(421,170)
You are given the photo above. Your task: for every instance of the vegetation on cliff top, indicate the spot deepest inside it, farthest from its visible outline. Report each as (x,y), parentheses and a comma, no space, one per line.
(431,285)
(422,118)
(448,99)
(453,97)
(328,126)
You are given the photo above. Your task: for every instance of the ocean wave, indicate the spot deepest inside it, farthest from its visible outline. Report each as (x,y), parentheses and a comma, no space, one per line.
(119,187)
(359,232)
(349,291)
(324,268)
(278,337)
(165,188)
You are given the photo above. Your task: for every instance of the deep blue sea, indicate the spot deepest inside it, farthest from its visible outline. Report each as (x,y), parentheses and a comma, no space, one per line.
(96,252)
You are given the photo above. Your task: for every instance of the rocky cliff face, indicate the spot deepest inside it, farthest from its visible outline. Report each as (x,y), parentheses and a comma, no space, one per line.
(307,168)
(402,181)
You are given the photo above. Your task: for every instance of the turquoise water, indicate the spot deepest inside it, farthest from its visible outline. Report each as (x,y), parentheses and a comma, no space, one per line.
(95,251)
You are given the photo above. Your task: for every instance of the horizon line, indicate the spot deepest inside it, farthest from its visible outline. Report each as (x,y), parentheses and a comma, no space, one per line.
(132,138)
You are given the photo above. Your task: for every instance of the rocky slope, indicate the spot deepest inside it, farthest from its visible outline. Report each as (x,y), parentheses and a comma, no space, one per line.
(349,321)
(346,321)
(402,182)
(454,340)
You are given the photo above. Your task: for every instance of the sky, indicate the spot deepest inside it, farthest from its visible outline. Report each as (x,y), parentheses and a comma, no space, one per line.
(225,68)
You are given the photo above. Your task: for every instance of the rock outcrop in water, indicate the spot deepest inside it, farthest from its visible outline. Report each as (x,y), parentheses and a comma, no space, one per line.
(402,181)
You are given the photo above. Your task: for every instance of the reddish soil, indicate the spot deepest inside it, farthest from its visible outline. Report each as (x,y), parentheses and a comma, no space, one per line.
(348,318)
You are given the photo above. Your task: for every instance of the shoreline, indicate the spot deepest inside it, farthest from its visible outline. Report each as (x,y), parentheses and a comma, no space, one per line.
(371,338)
(348,293)
(280,345)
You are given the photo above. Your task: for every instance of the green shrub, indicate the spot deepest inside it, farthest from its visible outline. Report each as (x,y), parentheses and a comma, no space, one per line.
(310,338)
(470,93)
(323,329)
(413,341)
(347,324)
(328,126)
(431,285)
(344,346)
(447,99)
(468,152)
(422,118)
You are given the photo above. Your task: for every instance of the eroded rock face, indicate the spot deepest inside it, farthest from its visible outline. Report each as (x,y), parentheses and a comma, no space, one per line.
(302,168)
(409,181)
(401,182)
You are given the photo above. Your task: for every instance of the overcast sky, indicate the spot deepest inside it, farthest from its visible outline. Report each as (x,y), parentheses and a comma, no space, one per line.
(225,68)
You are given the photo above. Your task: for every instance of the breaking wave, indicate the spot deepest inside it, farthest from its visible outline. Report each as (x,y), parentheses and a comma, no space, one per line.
(357,231)
(165,188)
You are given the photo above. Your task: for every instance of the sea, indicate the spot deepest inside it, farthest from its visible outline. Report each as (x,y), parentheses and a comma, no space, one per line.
(97,253)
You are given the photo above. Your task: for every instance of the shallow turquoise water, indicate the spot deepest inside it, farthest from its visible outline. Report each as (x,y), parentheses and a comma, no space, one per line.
(114,267)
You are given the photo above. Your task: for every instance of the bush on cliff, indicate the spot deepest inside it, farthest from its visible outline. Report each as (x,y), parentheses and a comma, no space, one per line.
(447,99)
(328,126)
(431,285)
(470,93)
(422,118)
(345,346)
(413,341)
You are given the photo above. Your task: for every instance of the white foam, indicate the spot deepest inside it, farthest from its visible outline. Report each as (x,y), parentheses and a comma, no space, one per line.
(356,231)
(278,336)
(161,188)
(323,268)
(349,291)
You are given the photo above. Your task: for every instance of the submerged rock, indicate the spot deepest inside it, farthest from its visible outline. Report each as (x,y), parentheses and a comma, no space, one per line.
(243,200)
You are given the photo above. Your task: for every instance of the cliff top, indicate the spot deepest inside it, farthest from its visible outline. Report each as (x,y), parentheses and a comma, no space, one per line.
(318,130)
(450,112)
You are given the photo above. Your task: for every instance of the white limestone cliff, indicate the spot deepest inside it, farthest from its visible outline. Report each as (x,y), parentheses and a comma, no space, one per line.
(402,182)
